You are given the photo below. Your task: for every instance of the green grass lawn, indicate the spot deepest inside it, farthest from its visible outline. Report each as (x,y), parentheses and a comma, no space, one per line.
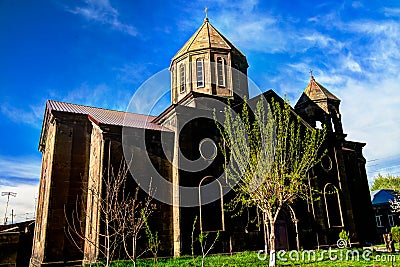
(345,257)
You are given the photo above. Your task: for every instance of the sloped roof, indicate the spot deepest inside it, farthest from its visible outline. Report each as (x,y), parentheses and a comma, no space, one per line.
(206,37)
(318,94)
(107,116)
(315,91)
(383,196)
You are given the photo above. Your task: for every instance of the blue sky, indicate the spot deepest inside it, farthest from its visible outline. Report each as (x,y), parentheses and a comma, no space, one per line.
(98,52)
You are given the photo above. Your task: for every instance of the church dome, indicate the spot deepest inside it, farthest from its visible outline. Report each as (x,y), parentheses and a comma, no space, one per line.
(208,63)
(207,37)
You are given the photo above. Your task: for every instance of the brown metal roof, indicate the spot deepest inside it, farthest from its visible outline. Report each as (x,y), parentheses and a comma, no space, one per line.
(106,116)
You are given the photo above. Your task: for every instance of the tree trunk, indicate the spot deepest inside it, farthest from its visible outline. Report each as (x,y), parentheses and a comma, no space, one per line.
(107,246)
(266,234)
(272,259)
(134,249)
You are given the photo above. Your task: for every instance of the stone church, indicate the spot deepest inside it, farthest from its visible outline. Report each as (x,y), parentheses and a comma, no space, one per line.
(82,145)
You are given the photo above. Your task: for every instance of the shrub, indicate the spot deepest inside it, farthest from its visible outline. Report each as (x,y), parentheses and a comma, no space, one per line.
(396,233)
(345,236)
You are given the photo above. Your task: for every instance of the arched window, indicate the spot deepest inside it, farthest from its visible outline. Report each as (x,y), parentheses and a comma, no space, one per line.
(211,214)
(332,206)
(182,73)
(200,72)
(221,71)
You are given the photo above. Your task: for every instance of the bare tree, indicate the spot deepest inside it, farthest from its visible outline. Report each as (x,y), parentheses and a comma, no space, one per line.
(112,216)
(270,153)
(134,214)
(98,228)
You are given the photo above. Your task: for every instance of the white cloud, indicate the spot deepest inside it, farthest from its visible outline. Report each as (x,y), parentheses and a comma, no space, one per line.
(391,12)
(379,49)
(389,165)
(102,12)
(253,32)
(259,31)
(330,79)
(357,4)
(133,73)
(32,116)
(20,167)
(370,99)
(318,39)
(348,63)
(370,113)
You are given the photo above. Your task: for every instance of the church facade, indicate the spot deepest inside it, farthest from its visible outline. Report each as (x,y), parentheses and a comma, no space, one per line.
(81,146)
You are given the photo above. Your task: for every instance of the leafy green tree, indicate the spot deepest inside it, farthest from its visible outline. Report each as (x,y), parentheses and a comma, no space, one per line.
(270,154)
(396,233)
(152,240)
(386,182)
(203,238)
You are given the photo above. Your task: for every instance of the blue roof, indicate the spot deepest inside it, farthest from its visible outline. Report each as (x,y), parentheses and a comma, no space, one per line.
(383,196)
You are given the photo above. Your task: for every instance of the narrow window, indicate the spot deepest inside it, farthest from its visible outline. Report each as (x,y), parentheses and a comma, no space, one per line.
(182,72)
(221,71)
(200,72)
(211,214)
(332,206)
(391,220)
(378,220)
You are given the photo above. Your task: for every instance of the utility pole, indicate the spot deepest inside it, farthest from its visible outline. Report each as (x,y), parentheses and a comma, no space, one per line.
(8,194)
(12,216)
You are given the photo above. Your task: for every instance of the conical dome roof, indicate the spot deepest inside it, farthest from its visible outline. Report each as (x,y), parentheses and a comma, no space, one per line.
(207,37)
(318,94)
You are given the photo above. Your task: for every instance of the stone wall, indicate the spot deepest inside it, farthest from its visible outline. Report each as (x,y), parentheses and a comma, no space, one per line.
(96,170)
(44,193)
(62,194)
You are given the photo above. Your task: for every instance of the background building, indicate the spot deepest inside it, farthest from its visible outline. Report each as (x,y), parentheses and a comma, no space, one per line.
(385,218)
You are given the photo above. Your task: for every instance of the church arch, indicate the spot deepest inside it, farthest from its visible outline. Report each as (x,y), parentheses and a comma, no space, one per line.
(211,214)
(332,206)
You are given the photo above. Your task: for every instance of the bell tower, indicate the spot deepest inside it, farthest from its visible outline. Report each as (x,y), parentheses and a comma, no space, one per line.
(318,105)
(208,63)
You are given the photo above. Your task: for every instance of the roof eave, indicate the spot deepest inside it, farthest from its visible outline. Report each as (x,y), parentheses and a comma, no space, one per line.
(43,133)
